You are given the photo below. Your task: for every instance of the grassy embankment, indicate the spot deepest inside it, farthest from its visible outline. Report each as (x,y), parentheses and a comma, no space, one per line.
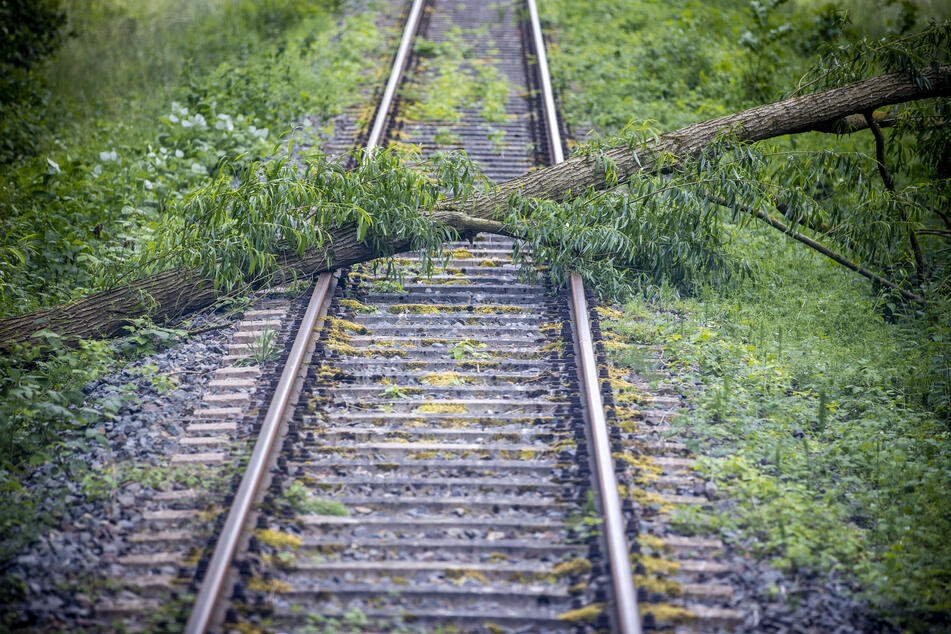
(825,421)
(143,104)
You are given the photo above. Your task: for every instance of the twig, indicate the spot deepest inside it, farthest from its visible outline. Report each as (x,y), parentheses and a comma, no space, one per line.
(824,250)
(890,186)
(198,331)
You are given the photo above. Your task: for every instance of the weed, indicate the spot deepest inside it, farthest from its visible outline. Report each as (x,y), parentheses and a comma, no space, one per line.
(262,349)
(298,499)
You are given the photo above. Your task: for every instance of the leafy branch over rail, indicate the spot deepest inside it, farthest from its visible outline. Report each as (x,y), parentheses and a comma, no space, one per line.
(280,223)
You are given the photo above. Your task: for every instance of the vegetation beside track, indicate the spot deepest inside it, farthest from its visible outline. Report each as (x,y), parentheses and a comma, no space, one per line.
(827,405)
(141,104)
(90,181)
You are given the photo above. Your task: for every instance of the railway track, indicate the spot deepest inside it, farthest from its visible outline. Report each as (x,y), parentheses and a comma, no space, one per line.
(437,458)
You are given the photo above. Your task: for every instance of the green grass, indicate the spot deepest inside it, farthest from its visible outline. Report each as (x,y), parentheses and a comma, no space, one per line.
(813,412)
(822,408)
(142,105)
(451,79)
(145,104)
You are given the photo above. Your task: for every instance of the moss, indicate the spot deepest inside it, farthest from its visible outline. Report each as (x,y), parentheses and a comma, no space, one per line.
(666,613)
(345,349)
(578,588)
(575,566)
(564,443)
(387,353)
(493,628)
(652,542)
(555,346)
(460,576)
(433,342)
(415,365)
(431,281)
(429,309)
(478,365)
(550,327)
(268,586)
(647,470)
(617,346)
(461,254)
(488,263)
(342,324)
(419,309)
(278,539)
(627,418)
(589,613)
(658,586)
(354,306)
(655,565)
(499,308)
(609,313)
(400,581)
(330,374)
(442,408)
(446,378)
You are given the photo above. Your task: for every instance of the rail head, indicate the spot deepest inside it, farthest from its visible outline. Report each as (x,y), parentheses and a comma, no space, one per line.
(209,594)
(205,608)
(625,596)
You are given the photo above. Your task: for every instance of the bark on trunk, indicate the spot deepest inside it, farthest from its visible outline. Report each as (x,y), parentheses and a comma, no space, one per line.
(173,293)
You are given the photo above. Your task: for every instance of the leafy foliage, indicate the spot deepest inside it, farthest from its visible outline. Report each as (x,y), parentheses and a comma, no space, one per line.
(826,408)
(235,229)
(30,31)
(813,432)
(82,201)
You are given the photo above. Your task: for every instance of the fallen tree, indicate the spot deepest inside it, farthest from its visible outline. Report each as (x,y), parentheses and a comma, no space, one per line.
(172,293)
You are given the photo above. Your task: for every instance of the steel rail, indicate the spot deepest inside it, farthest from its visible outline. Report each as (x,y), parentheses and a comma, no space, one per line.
(399,63)
(628,617)
(204,609)
(216,576)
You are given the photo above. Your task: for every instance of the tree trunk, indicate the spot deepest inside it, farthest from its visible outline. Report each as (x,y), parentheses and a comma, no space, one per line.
(172,293)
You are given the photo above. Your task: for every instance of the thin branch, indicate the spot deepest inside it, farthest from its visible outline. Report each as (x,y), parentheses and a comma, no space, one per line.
(934,232)
(824,250)
(890,186)
(943,216)
(857,123)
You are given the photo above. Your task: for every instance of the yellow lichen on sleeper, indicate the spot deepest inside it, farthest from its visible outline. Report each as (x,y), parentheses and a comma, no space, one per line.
(587,613)
(445,379)
(666,613)
(442,408)
(575,566)
(269,586)
(354,306)
(278,539)
(609,313)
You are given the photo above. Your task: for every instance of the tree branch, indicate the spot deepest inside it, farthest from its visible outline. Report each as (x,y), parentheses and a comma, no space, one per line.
(172,293)
(817,246)
(890,186)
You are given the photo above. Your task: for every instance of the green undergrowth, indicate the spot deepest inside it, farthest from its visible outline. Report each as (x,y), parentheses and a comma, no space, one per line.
(146,102)
(684,61)
(103,144)
(821,405)
(822,420)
